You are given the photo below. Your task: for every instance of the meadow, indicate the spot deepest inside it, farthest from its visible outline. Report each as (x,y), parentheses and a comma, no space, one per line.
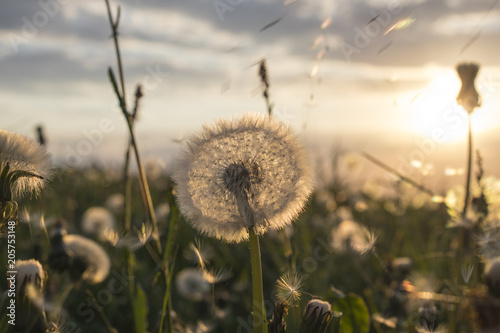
(245,234)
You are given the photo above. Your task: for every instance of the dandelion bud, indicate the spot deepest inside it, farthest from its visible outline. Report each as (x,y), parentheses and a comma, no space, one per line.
(492,277)
(316,318)
(468,96)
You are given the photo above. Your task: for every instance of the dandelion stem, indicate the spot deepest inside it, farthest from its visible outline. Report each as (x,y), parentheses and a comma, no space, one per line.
(259,310)
(469,171)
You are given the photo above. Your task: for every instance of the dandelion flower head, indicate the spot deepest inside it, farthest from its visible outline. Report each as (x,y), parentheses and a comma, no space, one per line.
(25,159)
(96,220)
(30,272)
(242,173)
(88,256)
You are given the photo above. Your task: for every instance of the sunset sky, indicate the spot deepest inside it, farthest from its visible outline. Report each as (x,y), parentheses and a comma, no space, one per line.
(369,75)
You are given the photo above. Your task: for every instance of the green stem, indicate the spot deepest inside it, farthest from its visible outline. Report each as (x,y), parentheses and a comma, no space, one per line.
(469,170)
(259,310)
(114,29)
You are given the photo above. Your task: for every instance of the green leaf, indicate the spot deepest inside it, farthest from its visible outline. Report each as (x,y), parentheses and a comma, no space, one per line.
(355,314)
(140,311)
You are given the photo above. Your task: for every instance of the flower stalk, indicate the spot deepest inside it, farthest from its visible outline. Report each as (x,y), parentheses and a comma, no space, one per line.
(259,310)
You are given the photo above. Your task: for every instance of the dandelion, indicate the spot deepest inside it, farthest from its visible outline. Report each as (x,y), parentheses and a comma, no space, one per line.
(249,172)
(288,287)
(83,258)
(96,220)
(317,317)
(239,178)
(191,284)
(115,203)
(24,166)
(351,236)
(29,272)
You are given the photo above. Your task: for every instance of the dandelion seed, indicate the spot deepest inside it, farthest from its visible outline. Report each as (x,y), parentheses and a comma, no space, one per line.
(96,220)
(136,239)
(351,236)
(191,284)
(24,166)
(288,287)
(213,275)
(248,172)
(199,253)
(401,24)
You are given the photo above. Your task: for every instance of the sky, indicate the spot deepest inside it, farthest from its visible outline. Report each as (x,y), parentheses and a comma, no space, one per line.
(377,76)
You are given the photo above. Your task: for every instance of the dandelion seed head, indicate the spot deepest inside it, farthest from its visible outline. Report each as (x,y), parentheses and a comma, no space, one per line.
(115,203)
(96,220)
(351,236)
(88,253)
(23,154)
(254,159)
(29,272)
(317,310)
(191,284)
(288,287)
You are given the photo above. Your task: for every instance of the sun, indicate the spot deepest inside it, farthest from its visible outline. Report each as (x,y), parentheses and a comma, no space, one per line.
(435,113)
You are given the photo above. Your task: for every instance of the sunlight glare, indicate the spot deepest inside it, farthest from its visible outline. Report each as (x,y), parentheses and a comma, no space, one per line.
(435,113)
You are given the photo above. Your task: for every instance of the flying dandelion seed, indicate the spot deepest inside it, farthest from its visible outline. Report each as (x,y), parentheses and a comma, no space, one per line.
(351,236)
(199,253)
(288,287)
(248,172)
(401,24)
(326,23)
(24,166)
(213,275)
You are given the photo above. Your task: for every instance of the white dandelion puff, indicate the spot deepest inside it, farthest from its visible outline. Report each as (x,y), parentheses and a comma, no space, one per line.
(115,203)
(288,287)
(191,284)
(24,166)
(351,236)
(29,272)
(242,173)
(96,220)
(88,257)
